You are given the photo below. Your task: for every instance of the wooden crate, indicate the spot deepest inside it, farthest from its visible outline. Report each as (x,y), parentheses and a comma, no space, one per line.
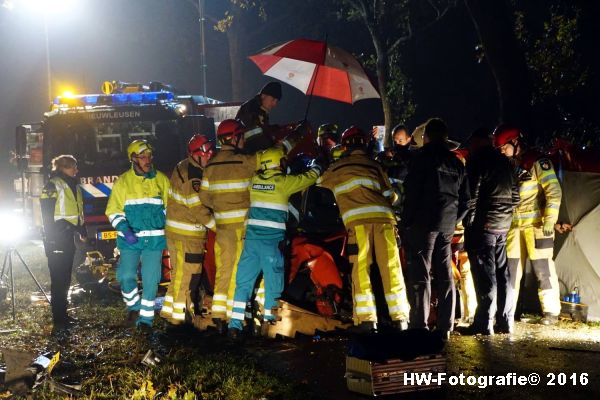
(377,379)
(292,320)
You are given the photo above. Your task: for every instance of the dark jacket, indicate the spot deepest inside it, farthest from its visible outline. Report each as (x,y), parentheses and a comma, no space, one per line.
(253,116)
(436,190)
(494,191)
(397,165)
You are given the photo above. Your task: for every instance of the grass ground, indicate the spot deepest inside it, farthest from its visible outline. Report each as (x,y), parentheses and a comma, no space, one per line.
(106,360)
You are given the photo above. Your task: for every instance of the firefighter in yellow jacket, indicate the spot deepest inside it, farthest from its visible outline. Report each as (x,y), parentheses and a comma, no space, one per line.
(365,196)
(225,190)
(270,191)
(186,231)
(532,231)
(136,209)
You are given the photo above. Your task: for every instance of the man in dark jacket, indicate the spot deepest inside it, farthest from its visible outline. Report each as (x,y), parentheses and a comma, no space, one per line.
(436,192)
(494,195)
(255,115)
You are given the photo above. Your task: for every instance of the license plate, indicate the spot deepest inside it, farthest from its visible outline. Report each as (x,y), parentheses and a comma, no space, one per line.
(107,235)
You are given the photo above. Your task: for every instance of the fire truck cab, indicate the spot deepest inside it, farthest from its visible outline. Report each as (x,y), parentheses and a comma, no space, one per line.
(96,129)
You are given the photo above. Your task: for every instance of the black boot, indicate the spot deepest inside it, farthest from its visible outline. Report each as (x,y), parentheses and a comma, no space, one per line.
(364,327)
(130,319)
(473,330)
(549,319)
(400,325)
(235,334)
(220,325)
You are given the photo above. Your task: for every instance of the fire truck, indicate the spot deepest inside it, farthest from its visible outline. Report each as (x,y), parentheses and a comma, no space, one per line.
(96,129)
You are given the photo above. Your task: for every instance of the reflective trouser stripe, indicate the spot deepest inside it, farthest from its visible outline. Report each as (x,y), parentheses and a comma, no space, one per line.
(228,248)
(239,308)
(151,273)
(237,316)
(179,290)
(380,240)
(166,310)
(520,246)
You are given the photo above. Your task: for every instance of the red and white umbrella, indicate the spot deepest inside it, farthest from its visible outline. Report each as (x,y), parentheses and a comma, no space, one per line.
(318,69)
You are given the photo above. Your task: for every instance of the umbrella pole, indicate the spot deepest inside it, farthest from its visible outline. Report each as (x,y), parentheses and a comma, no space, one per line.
(312,87)
(310,95)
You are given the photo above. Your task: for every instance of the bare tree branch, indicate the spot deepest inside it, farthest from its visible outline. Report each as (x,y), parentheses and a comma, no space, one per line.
(435,8)
(405,38)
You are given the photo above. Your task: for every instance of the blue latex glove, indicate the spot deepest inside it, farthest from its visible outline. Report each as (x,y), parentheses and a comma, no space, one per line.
(130,237)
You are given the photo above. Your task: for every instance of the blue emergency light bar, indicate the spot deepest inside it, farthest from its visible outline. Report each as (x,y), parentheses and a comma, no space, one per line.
(114,99)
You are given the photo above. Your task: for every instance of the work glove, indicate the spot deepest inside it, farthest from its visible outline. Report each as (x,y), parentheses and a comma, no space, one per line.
(318,163)
(548,228)
(130,237)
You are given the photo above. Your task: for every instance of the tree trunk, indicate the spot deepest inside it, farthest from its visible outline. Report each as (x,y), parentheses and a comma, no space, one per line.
(506,59)
(382,80)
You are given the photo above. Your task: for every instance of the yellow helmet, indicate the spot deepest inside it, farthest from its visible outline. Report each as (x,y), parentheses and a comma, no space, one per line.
(336,152)
(138,147)
(271,158)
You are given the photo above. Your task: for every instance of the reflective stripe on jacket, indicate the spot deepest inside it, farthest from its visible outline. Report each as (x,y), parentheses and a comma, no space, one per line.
(225,186)
(68,206)
(138,203)
(539,191)
(186,215)
(269,196)
(361,188)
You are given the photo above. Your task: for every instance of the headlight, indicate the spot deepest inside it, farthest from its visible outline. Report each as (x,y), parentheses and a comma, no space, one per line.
(12,227)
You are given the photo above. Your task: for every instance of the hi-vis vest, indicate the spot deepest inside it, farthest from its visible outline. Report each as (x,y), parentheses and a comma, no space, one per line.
(225,186)
(361,188)
(269,195)
(186,215)
(539,191)
(138,203)
(68,206)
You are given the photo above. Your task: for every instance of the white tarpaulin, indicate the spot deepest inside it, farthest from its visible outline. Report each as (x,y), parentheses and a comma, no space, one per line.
(578,254)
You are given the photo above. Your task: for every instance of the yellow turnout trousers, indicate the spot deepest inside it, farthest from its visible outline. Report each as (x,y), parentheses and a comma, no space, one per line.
(378,239)
(187,255)
(228,248)
(529,242)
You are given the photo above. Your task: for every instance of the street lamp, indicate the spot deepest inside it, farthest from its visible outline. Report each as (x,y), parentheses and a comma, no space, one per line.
(46,8)
(201,7)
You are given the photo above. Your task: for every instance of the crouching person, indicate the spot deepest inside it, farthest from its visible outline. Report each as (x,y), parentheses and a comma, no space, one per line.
(270,190)
(136,209)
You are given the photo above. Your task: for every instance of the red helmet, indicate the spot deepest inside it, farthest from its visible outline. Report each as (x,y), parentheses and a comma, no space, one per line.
(506,134)
(354,136)
(200,145)
(229,128)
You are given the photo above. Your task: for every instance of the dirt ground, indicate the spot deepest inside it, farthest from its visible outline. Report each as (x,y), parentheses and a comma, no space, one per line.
(314,365)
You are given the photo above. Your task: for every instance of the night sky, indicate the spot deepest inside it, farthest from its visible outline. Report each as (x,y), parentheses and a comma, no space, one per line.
(159,40)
